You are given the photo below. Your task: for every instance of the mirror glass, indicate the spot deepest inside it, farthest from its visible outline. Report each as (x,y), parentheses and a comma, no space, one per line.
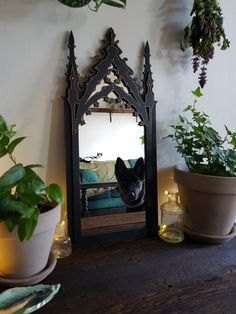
(110,131)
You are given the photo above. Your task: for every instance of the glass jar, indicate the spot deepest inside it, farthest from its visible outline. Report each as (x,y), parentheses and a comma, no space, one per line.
(61,245)
(171,228)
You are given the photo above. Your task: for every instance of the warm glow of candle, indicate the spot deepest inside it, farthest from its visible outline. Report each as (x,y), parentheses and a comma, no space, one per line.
(60,229)
(162,227)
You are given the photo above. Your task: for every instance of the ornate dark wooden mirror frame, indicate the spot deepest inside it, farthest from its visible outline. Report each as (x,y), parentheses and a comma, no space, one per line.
(79,97)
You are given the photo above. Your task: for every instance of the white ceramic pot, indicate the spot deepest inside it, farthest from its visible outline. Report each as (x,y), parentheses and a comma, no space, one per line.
(29,257)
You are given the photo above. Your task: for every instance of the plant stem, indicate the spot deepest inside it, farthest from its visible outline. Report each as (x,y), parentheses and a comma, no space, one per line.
(12,158)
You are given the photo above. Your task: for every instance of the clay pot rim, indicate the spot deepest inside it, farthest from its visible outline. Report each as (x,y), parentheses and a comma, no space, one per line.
(44,222)
(184,169)
(204,183)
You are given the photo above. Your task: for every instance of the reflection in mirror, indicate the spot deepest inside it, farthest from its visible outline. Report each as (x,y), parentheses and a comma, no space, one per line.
(108,205)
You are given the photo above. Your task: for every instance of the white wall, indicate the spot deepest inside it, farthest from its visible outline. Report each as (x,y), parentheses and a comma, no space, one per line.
(33,54)
(119,138)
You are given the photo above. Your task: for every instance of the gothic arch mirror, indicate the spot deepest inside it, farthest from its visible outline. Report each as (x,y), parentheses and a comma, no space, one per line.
(111,174)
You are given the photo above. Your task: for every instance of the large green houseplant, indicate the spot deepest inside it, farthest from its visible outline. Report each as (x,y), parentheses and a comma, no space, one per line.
(208,186)
(201,146)
(23,194)
(25,201)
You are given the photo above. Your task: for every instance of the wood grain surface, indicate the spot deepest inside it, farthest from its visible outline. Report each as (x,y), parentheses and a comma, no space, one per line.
(147,276)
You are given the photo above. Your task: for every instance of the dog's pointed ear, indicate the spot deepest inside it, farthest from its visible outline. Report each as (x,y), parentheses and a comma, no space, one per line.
(120,167)
(139,168)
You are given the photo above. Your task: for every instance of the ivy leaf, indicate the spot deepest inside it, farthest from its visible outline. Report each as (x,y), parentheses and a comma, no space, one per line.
(188,108)
(228,131)
(197,92)
(233,140)
(142,139)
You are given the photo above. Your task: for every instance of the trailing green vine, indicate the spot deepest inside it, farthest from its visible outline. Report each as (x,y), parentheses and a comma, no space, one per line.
(204,150)
(203,33)
(93,5)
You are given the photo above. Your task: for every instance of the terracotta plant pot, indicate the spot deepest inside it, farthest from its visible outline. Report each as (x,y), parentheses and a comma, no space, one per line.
(29,257)
(209,202)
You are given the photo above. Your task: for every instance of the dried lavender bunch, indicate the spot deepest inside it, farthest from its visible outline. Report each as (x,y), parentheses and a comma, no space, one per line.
(204,31)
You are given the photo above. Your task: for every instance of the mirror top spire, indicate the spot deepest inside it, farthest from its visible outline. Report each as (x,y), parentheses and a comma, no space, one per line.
(109,74)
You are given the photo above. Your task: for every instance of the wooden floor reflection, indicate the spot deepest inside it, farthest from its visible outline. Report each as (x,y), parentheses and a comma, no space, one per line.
(115,222)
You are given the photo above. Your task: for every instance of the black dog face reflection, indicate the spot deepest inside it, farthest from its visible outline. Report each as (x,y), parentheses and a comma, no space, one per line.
(131,183)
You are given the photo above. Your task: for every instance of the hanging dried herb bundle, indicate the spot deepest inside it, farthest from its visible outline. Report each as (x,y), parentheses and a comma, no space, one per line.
(204,31)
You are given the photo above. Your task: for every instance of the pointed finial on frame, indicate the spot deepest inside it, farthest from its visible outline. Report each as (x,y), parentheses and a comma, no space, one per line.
(147,76)
(147,49)
(71,43)
(110,35)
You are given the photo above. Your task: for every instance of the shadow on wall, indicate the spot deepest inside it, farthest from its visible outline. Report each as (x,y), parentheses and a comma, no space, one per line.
(86,65)
(139,67)
(167,154)
(168,19)
(87,62)
(171,18)
(56,152)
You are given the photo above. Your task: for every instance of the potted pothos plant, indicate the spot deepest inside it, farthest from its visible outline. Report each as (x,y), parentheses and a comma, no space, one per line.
(207,186)
(94,5)
(203,34)
(29,212)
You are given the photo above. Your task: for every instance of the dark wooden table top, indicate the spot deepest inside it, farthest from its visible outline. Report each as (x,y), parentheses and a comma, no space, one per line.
(146,276)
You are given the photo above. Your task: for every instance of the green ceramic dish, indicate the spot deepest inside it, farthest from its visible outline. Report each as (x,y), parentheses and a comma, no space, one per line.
(21,300)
